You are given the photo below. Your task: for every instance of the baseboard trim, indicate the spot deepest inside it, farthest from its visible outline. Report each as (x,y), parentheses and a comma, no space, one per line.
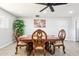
(6,44)
(70,40)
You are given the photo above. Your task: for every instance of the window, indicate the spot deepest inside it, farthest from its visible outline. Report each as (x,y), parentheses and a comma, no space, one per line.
(4,23)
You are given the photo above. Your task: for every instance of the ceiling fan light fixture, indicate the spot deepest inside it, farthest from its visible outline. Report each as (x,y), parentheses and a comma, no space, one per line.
(50,5)
(37,15)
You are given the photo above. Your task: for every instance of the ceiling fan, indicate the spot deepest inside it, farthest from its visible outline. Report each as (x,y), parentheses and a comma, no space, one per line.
(50,5)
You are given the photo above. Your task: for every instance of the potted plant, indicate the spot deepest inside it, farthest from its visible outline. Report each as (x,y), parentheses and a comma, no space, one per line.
(18,25)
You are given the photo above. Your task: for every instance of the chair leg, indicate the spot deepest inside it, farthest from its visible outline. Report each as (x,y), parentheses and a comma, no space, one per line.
(33,52)
(64,49)
(53,49)
(44,52)
(16,49)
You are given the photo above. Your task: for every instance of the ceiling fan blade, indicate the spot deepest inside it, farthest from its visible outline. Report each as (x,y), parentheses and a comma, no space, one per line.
(51,8)
(43,8)
(42,3)
(56,4)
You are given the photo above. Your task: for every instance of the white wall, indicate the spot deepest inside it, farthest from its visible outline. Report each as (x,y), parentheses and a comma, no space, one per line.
(72,29)
(6,21)
(52,26)
(77,28)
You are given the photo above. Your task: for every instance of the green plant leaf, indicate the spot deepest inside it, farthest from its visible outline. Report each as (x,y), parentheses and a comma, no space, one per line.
(18,25)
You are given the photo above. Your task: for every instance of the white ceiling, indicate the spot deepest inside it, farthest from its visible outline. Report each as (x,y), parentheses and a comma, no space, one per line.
(31,9)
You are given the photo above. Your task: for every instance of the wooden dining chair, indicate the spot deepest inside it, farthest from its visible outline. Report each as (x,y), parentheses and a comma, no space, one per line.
(38,38)
(60,42)
(19,43)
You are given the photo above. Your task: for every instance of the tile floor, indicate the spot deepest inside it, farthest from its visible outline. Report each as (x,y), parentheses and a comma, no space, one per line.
(72,49)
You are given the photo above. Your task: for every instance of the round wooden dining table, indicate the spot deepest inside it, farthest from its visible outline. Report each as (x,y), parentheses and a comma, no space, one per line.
(50,39)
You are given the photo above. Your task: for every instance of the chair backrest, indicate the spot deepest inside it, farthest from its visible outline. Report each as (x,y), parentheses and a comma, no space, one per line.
(62,34)
(38,37)
(17,34)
